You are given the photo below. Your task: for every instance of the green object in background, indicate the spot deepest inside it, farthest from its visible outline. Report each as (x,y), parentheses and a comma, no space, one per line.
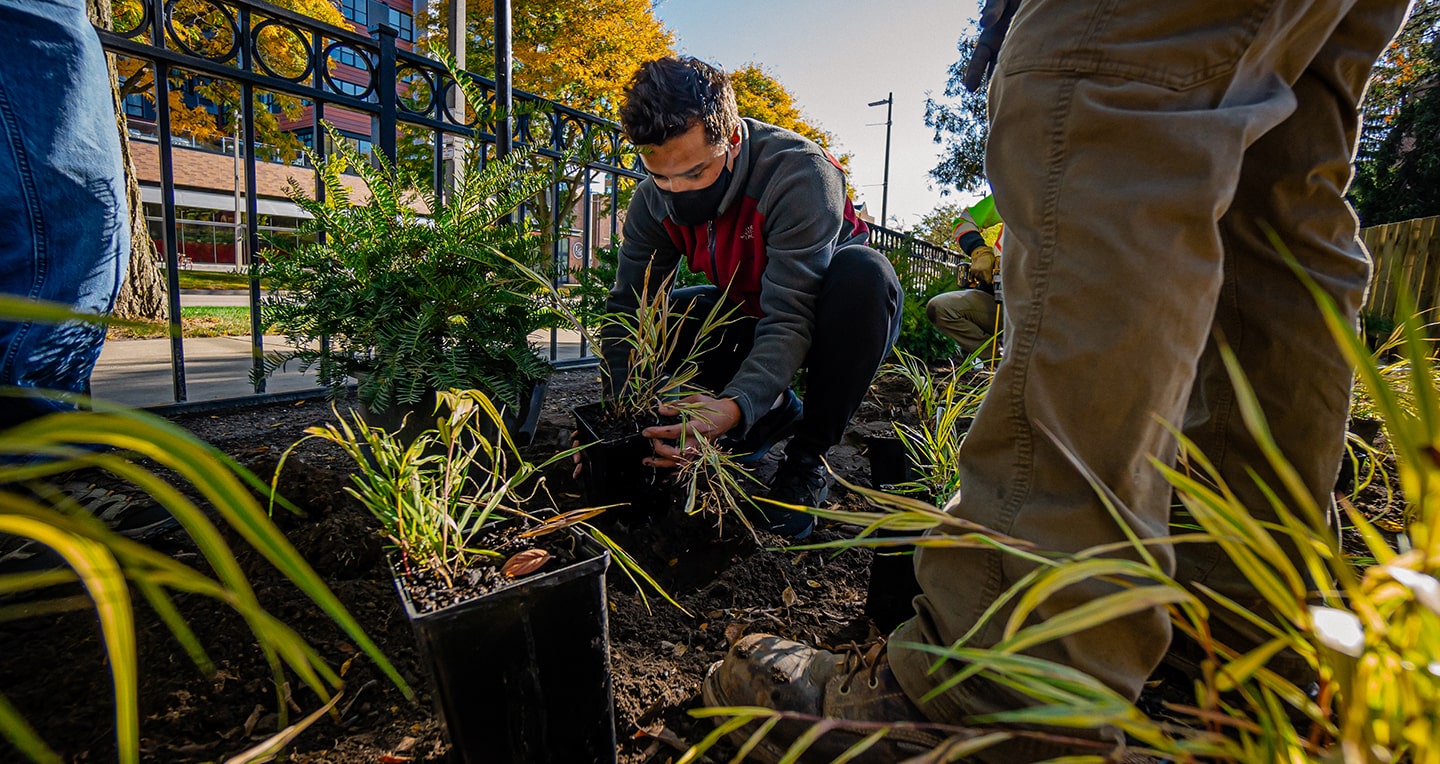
(984,214)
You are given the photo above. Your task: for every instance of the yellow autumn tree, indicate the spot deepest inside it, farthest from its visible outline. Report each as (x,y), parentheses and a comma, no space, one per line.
(579,53)
(760,96)
(576,52)
(205,30)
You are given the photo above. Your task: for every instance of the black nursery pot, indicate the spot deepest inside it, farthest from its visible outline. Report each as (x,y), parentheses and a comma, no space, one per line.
(613,472)
(1367,429)
(522,674)
(892,572)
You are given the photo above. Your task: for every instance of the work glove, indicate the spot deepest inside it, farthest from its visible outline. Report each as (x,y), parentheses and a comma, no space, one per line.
(995,21)
(982,265)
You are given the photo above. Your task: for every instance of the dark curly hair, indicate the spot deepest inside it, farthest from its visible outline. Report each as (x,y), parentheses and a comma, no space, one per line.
(668,95)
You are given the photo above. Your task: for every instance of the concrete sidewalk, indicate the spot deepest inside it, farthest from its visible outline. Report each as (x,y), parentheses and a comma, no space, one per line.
(137,373)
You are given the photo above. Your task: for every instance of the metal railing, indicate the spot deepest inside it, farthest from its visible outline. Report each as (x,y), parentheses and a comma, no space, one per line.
(926,260)
(406,92)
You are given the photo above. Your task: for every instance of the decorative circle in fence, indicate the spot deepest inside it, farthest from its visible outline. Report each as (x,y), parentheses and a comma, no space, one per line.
(281,50)
(340,53)
(203,29)
(132,18)
(448,95)
(414,90)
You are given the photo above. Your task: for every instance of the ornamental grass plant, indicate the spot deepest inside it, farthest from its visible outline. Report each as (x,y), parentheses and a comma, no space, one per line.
(944,403)
(440,495)
(1370,634)
(103,570)
(662,356)
(663,344)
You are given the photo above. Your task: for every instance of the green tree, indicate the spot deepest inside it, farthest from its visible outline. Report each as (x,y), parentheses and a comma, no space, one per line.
(1402,179)
(1397,168)
(576,52)
(759,95)
(961,126)
(1400,75)
(938,224)
(579,53)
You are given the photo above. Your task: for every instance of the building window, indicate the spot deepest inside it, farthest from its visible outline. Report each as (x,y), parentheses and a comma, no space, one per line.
(269,102)
(355,11)
(403,22)
(139,107)
(349,88)
(349,57)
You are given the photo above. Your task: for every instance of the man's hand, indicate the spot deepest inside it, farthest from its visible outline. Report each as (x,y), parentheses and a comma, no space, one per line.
(708,418)
(995,21)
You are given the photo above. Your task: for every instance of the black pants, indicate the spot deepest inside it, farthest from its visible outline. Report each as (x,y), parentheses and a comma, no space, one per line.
(857,320)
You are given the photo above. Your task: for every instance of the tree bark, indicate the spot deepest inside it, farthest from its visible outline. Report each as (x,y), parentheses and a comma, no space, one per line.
(142,296)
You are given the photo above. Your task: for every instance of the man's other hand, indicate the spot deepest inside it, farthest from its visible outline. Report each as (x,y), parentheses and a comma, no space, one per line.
(708,418)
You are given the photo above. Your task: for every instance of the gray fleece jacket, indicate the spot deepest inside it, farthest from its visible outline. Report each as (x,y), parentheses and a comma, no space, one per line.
(783,215)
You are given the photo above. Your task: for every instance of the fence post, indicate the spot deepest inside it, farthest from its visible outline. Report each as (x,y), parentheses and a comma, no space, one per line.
(385,126)
(167,203)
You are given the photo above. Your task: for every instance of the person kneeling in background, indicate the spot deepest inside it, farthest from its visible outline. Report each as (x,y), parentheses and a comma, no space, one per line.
(970,315)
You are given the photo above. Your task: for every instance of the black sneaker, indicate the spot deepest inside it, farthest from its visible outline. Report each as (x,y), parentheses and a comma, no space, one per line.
(133,515)
(776,425)
(801,482)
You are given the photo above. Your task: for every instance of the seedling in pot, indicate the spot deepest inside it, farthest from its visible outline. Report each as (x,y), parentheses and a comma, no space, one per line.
(438,495)
(945,405)
(660,367)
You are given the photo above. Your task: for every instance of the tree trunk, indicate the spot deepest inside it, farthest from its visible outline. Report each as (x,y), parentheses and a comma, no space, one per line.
(142,296)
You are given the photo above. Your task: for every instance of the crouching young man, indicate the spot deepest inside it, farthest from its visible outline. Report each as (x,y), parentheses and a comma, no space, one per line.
(763,213)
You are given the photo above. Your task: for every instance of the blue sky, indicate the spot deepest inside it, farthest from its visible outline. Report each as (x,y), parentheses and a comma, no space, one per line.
(835,56)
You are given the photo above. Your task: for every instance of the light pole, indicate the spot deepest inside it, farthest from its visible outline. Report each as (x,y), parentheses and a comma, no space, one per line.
(889,101)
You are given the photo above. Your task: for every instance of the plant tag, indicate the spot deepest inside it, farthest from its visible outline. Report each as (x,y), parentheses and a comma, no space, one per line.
(525,563)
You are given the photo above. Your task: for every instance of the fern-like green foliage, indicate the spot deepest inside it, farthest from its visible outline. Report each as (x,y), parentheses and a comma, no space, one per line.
(410,293)
(918,336)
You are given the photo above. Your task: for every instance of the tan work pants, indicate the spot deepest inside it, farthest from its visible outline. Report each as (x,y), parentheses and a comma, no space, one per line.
(1136,149)
(967,316)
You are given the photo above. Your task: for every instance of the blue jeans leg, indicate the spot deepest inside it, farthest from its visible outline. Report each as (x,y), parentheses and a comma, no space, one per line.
(64,233)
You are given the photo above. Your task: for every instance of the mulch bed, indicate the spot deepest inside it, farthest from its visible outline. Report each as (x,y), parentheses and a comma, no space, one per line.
(53,667)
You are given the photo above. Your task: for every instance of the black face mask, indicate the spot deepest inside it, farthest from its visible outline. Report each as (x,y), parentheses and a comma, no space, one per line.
(698,206)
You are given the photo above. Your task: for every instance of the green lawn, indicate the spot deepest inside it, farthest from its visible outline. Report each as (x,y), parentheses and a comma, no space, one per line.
(206,321)
(208,280)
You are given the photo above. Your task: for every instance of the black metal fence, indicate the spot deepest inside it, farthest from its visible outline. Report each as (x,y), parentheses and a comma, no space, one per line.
(926,261)
(406,96)
(408,100)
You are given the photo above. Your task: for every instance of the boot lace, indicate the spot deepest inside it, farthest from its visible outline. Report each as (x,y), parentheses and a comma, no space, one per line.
(863,657)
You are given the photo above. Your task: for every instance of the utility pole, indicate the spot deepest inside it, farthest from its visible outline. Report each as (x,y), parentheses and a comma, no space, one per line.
(504,89)
(239,205)
(889,102)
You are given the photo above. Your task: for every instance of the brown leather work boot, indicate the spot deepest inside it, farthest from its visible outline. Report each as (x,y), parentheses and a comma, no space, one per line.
(858,686)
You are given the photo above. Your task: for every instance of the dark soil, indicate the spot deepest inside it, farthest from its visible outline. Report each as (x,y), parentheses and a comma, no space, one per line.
(429,591)
(52,667)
